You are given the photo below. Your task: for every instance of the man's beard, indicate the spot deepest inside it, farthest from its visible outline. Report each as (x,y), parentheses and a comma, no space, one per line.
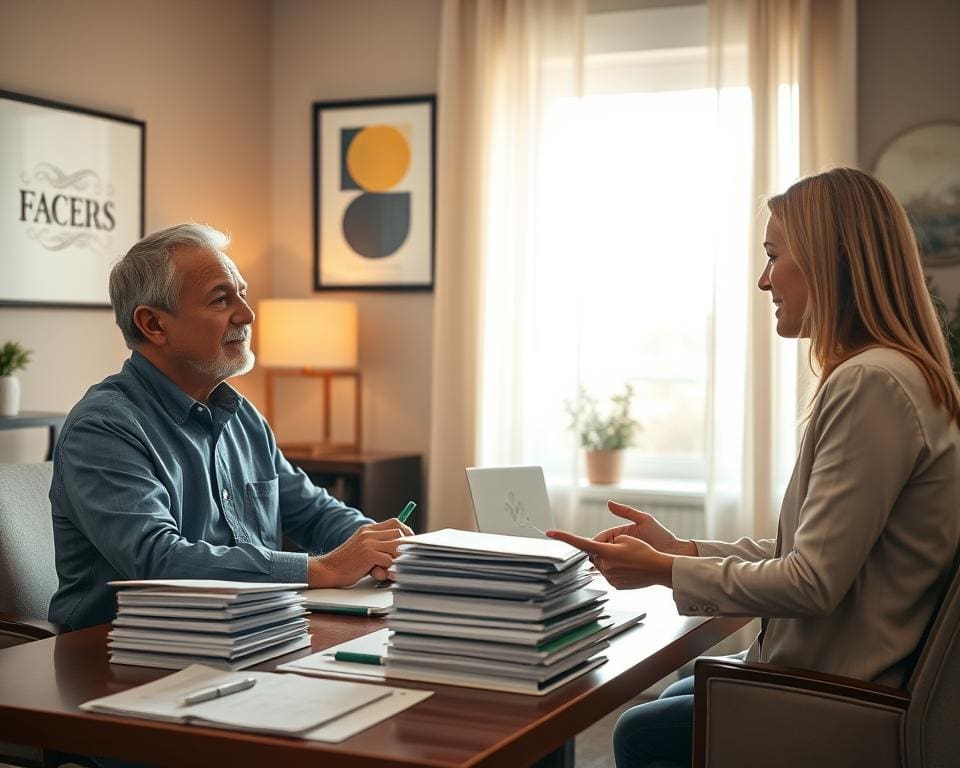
(226,365)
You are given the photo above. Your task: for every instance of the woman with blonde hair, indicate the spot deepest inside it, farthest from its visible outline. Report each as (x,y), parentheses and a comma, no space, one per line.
(870,521)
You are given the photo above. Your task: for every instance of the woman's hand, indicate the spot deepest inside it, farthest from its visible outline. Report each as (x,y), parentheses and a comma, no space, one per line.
(645,527)
(625,561)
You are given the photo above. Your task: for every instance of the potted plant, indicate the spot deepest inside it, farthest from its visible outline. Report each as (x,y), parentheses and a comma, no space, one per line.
(604,437)
(953,340)
(13,358)
(951,325)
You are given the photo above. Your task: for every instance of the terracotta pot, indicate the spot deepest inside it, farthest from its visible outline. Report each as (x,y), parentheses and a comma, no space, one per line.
(604,467)
(9,395)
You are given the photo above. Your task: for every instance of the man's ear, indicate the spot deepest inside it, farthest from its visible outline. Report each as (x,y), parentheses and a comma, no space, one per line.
(150,323)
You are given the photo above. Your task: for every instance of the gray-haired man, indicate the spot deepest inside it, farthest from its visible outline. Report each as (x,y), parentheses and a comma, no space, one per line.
(164,471)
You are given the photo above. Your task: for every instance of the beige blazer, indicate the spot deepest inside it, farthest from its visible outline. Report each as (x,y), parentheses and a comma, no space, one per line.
(869,525)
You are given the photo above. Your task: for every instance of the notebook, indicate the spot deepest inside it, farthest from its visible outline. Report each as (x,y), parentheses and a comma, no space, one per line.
(365,598)
(278,704)
(510,500)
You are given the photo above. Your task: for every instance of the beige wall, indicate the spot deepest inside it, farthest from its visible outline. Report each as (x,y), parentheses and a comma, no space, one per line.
(211,79)
(342,50)
(198,73)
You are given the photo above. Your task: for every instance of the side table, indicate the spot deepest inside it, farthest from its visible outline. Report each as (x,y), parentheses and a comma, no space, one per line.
(379,484)
(28,419)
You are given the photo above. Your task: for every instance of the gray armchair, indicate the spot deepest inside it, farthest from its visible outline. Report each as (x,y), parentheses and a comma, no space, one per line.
(28,574)
(761,715)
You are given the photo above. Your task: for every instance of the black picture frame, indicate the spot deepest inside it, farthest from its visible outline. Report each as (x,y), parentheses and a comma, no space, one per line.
(72,200)
(374,194)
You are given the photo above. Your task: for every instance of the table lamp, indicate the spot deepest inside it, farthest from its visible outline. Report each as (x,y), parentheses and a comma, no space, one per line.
(315,339)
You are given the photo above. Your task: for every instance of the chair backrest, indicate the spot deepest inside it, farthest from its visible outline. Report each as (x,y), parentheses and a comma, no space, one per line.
(932,736)
(28,571)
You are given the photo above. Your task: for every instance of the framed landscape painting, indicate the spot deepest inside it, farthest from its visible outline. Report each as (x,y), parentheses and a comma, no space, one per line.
(922,168)
(71,200)
(374,190)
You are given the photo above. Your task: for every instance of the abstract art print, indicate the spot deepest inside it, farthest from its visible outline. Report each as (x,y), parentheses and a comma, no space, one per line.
(71,200)
(374,191)
(922,168)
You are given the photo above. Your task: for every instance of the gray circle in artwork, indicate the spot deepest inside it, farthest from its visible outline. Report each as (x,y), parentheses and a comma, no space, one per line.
(376,224)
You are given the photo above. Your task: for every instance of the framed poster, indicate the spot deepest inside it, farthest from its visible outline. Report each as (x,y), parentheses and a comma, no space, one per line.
(374,185)
(922,168)
(71,200)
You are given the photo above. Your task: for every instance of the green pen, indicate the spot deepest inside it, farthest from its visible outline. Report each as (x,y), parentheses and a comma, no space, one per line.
(358,658)
(407,511)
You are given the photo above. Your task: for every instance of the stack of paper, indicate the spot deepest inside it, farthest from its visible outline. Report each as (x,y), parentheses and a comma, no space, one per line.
(230,624)
(492,611)
(365,598)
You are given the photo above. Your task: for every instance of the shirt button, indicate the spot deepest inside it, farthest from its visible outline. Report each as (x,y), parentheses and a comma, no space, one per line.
(199,409)
(226,494)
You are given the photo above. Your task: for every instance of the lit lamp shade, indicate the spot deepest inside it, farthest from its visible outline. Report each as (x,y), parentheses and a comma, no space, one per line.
(307,333)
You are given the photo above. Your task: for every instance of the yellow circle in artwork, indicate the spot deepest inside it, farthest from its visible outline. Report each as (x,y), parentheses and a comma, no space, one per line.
(378,157)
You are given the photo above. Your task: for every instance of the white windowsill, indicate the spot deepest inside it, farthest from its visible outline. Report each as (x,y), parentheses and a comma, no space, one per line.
(638,492)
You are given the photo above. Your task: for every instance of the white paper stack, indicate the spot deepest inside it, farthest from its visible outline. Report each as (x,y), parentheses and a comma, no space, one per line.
(491,611)
(365,598)
(172,623)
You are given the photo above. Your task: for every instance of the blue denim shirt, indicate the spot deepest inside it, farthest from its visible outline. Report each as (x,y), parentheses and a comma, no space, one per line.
(149,483)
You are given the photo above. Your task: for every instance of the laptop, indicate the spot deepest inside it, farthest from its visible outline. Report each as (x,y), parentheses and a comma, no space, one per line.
(510,500)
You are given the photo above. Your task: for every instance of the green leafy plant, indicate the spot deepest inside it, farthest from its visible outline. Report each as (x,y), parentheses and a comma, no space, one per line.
(612,431)
(13,358)
(951,325)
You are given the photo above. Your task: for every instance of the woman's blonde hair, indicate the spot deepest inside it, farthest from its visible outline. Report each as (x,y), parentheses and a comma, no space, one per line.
(853,243)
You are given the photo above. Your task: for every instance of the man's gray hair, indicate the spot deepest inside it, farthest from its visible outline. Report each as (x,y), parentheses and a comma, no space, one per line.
(148,276)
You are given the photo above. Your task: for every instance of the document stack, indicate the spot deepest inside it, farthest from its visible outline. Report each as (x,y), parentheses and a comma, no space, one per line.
(173,623)
(365,598)
(492,611)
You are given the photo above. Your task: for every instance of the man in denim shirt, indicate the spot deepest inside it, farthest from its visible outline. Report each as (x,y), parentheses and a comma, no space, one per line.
(164,471)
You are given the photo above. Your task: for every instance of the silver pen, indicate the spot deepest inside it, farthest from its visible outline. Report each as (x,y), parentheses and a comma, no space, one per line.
(216,691)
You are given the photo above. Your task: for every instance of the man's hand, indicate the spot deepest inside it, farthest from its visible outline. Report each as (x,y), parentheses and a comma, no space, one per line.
(371,550)
(626,561)
(645,527)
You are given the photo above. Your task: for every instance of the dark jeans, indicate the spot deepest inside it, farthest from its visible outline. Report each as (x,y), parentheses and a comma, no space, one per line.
(658,734)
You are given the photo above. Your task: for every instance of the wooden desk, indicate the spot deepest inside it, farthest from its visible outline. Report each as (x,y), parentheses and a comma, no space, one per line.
(41,684)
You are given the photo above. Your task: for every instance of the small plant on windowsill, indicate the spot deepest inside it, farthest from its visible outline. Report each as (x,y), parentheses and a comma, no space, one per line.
(604,437)
(13,358)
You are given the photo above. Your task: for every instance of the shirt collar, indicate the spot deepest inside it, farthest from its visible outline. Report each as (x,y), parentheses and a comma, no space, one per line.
(177,402)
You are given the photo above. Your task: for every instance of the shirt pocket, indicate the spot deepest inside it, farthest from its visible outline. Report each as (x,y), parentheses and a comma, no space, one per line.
(262,511)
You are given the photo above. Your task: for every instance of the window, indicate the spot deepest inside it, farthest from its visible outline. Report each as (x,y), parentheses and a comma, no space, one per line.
(620,284)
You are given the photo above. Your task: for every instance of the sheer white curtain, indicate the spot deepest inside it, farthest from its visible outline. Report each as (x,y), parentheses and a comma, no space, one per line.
(501,63)
(801,77)
(521,240)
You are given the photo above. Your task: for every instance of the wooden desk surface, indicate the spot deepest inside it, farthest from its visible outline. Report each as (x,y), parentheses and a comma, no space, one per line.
(43,682)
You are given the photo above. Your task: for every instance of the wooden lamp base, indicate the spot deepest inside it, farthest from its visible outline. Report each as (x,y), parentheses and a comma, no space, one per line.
(326,445)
